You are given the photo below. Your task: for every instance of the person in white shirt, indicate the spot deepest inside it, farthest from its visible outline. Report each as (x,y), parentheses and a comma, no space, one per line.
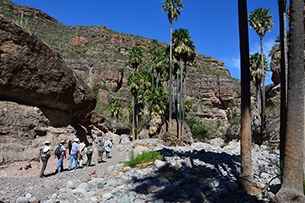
(82,153)
(44,155)
(108,146)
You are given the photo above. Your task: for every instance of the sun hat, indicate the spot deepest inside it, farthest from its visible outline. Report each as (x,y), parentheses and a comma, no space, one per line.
(47,142)
(76,140)
(62,141)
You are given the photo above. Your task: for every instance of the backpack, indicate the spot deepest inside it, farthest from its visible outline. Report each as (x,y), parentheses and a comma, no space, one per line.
(45,151)
(89,150)
(58,150)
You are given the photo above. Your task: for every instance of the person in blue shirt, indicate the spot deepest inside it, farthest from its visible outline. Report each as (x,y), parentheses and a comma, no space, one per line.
(101,150)
(74,153)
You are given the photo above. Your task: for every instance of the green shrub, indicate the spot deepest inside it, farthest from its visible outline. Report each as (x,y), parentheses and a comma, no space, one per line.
(96,89)
(145,157)
(102,109)
(198,128)
(224,144)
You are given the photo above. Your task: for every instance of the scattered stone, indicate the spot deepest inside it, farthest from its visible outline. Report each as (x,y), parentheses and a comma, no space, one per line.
(200,172)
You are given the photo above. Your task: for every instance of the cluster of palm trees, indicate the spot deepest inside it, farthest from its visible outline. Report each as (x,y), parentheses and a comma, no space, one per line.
(148,87)
(148,84)
(292,101)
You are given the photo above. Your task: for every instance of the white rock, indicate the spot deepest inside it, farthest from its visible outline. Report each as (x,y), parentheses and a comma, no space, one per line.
(159,163)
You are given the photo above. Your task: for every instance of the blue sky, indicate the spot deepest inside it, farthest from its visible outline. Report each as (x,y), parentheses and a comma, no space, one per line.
(213,25)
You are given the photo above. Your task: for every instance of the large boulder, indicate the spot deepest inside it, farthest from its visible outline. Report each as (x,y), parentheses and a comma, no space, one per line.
(31,73)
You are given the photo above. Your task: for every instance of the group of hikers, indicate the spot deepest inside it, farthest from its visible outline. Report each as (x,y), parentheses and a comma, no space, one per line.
(77,151)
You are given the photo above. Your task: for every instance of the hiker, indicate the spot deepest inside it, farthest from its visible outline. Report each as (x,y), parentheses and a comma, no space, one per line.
(44,155)
(108,146)
(89,151)
(74,153)
(60,153)
(82,153)
(101,150)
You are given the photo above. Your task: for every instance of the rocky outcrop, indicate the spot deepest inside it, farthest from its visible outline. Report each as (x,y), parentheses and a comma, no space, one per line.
(31,73)
(78,41)
(212,95)
(275,67)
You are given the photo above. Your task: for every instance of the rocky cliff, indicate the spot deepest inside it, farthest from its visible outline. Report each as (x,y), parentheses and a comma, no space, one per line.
(31,73)
(37,90)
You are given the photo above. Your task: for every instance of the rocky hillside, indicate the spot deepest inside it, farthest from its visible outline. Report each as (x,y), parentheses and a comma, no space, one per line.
(48,71)
(98,56)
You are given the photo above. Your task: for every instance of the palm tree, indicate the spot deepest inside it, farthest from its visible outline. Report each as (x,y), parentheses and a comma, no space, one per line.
(153,48)
(160,64)
(261,22)
(292,183)
(173,8)
(134,87)
(257,75)
(115,109)
(246,175)
(185,51)
(135,56)
(157,98)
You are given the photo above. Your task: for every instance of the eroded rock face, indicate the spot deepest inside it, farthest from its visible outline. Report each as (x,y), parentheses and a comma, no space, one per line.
(19,126)
(32,74)
(79,41)
(212,90)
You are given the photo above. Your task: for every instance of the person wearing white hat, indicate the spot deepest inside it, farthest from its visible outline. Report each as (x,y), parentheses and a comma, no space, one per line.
(74,153)
(44,155)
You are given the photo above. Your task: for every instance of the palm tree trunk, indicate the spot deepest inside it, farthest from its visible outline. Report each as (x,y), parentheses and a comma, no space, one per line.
(180,100)
(258,115)
(284,68)
(182,114)
(263,100)
(170,80)
(292,184)
(245,143)
(134,120)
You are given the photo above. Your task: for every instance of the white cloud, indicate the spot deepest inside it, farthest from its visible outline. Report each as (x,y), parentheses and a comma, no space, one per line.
(267,45)
(233,62)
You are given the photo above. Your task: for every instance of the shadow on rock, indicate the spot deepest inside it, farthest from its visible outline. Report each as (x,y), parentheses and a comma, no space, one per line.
(196,176)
